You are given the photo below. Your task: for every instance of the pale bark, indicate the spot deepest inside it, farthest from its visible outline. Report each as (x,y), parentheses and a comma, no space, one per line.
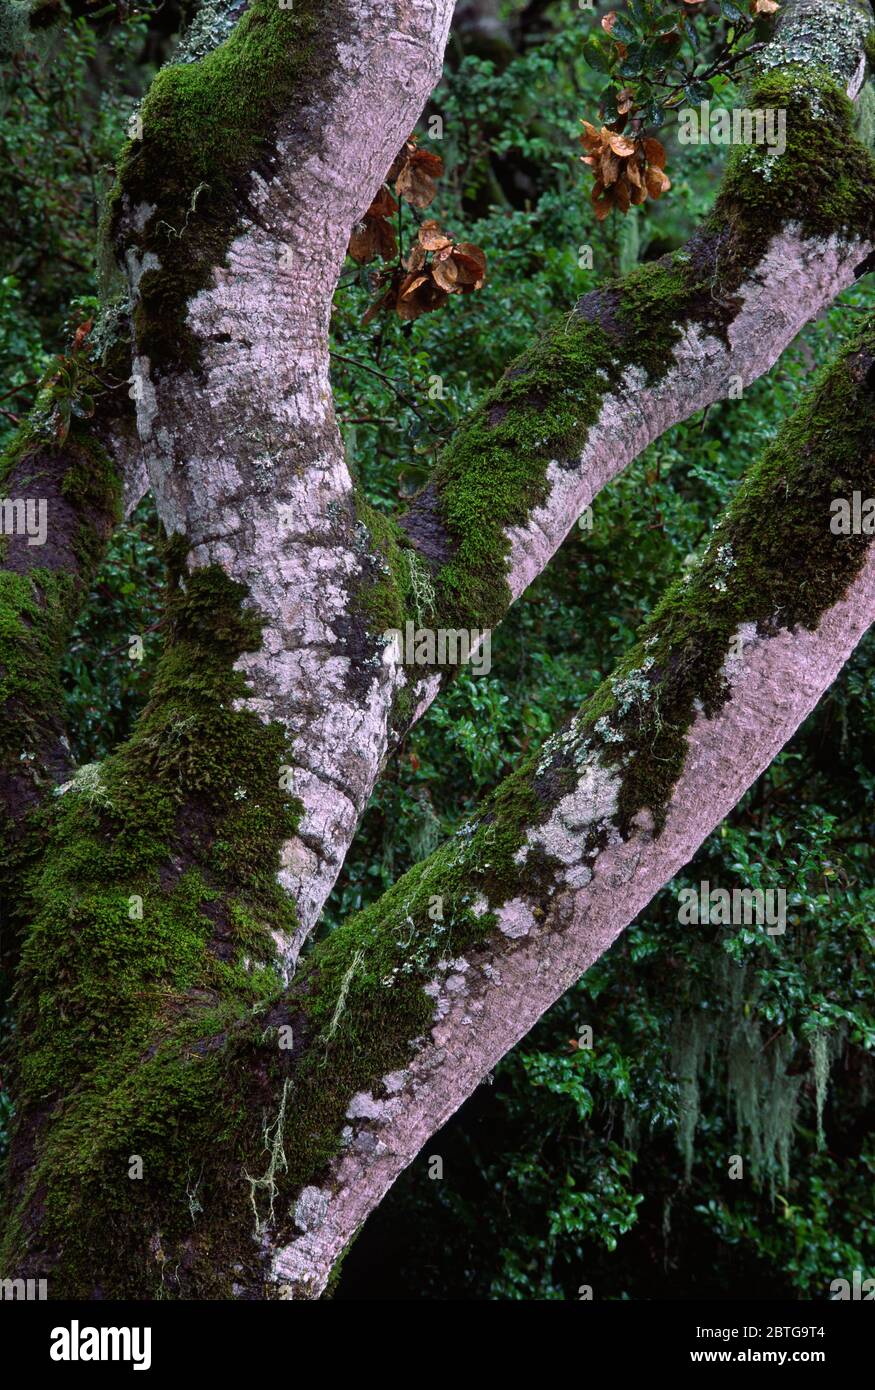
(788,282)
(487,1000)
(245,458)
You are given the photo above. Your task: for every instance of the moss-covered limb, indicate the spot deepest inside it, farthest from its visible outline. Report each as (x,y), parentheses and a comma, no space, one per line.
(60,492)
(145,979)
(549,403)
(209,125)
(774,565)
(773,562)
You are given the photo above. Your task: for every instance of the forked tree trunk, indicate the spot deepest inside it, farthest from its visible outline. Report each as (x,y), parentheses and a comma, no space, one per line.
(194,1118)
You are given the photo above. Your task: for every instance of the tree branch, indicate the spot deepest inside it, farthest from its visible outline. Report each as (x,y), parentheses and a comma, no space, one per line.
(539,883)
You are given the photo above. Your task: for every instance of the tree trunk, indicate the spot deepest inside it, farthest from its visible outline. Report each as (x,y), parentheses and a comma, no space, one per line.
(194,1118)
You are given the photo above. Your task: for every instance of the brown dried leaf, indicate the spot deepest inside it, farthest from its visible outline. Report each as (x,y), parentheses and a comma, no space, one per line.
(654,153)
(384,205)
(432,238)
(415,186)
(419,295)
(470,266)
(445,274)
(656,182)
(363,242)
(619,144)
(590,138)
(609,167)
(371,237)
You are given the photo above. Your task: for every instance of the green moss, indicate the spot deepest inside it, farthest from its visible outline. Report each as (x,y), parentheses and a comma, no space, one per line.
(772,561)
(383,600)
(494,473)
(41,593)
(208,125)
(35,615)
(39,606)
(378,962)
(146,972)
(825,179)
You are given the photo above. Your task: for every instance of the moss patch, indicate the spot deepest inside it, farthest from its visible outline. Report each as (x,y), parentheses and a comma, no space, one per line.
(495,471)
(824,181)
(208,127)
(772,561)
(144,978)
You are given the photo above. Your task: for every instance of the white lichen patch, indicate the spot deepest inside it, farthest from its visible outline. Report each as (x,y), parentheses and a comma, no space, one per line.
(606,731)
(515,918)
(311,1208)
(724,562)
(578,817)
(87,783)
(633,689)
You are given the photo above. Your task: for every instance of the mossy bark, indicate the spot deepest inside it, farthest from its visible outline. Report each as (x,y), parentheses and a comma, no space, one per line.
(540,881)
(79,481)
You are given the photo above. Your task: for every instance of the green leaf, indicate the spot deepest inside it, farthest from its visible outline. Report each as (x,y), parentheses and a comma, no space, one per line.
(624,31)
(608,106)
(652,112)
(633,62)
(596,55)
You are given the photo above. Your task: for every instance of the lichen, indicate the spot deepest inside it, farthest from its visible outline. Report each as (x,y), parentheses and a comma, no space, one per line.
(828,37)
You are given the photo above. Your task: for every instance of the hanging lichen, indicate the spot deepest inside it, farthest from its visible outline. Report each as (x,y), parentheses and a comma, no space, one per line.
(821,1059)
(734,1049)
(689,1047)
